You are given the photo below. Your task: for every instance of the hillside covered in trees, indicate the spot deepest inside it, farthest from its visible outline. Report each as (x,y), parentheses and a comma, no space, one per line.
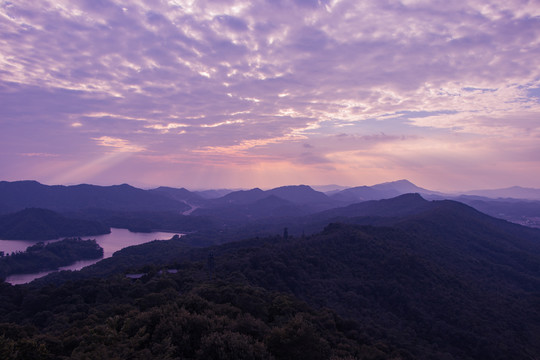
(43,224)
(437,281)
(179,316)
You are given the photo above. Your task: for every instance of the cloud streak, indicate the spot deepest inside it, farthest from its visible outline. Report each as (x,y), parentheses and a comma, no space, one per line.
(120,145)
(250,82)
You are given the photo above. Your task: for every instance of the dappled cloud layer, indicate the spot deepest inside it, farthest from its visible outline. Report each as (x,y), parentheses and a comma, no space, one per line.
(245,93)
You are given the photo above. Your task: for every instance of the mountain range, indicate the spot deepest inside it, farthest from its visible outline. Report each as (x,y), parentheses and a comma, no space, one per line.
(184,210)
(414,278)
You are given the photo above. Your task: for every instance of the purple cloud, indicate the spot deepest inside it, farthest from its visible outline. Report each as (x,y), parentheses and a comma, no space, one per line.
(250,84)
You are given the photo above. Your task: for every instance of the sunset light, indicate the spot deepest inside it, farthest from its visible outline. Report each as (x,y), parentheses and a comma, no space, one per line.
(445,94)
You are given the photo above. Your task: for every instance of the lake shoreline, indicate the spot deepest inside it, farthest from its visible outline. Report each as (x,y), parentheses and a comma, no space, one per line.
(116,240)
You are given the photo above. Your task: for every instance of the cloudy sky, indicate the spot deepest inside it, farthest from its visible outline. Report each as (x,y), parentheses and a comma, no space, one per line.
(208,94)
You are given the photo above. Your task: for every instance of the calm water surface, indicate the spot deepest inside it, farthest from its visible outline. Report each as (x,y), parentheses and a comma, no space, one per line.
(116,240)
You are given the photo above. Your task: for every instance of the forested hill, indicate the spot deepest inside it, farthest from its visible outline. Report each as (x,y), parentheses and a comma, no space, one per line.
(176,316)
(444,283)
(42,224)
(19,195)
(436,294)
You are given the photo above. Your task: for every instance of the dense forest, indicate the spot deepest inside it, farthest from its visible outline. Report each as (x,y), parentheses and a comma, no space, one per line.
(446,284)
(51,256)
(43,224)
(176,316)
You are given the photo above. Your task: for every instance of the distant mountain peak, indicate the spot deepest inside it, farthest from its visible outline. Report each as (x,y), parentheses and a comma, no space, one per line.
(169,188)
(301,194)
(516,192)
(410,199)
(402,205)
(253,190)
(241,196)
(401,181)
(329,188)
(301,186)
(402,185)
(125,186)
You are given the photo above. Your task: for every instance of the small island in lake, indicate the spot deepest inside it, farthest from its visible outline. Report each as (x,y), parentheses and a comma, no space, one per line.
(51,256)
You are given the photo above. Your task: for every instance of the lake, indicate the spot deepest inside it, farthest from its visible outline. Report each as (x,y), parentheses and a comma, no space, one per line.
(116,240)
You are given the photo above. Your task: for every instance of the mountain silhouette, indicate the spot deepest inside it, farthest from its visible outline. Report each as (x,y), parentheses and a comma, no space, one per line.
(379,191)
(180,194)
(42,224)
(19,195)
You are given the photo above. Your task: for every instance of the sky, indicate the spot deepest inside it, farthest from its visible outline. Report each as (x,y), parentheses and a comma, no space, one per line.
(242,94)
